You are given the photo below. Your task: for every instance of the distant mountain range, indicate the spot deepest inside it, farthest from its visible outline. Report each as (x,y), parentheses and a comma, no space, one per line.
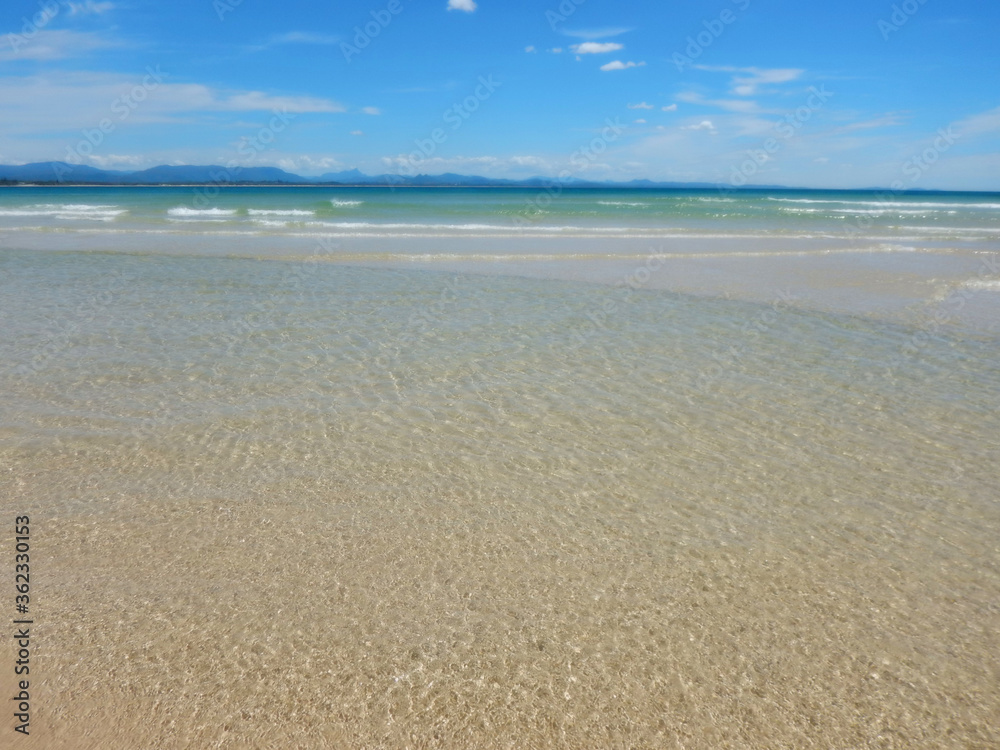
(57,172)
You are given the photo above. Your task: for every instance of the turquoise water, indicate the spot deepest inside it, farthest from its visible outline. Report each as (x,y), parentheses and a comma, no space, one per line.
(933,216)
(490,477)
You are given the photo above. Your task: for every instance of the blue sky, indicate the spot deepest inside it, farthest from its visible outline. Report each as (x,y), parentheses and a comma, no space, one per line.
(845,94)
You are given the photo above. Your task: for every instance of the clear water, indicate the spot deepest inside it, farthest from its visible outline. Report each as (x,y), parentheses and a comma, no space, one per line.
(463,503)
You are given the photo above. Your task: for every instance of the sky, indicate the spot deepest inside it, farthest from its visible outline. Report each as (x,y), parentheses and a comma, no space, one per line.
(856,93)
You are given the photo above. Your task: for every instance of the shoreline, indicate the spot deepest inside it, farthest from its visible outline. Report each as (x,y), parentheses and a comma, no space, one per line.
(875,278)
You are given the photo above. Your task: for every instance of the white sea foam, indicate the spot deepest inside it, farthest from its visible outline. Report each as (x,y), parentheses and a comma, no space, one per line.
(976,232)
(279,212)
(200,212)
(866,211)
(68,211)
(889,204)
(622,203)
(988,285)
(511,228)
(345,204)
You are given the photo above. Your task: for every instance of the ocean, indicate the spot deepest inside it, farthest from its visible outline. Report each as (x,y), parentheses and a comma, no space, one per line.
(313,466)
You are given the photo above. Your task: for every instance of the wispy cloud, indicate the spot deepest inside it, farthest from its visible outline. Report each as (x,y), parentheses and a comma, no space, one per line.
(596,48)
(619,65)
(294,37)
(669,108)
(55,44)
(530,48)
(986,123)
(304,37)
(748,85)
(465,5)
(745,106)
(597,33)
(89,8)
(640,105)
(59,102)
(371,110)
(879,122)
(258,100)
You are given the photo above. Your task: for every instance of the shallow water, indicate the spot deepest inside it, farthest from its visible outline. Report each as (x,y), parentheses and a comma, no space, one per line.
(289,502)
(919,258)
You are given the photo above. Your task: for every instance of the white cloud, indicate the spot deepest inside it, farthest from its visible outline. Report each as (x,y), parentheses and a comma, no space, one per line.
(89,8)
(556,50)
(118,161)
(670,108)
(526,161)
(371,110)
(467,5)
(640,105)
(596,48)
(357,132)
(530,48)
(489,166)
(619,65)
(640,121)
(703,125)
(53,44)
(747,85)
(305,163)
